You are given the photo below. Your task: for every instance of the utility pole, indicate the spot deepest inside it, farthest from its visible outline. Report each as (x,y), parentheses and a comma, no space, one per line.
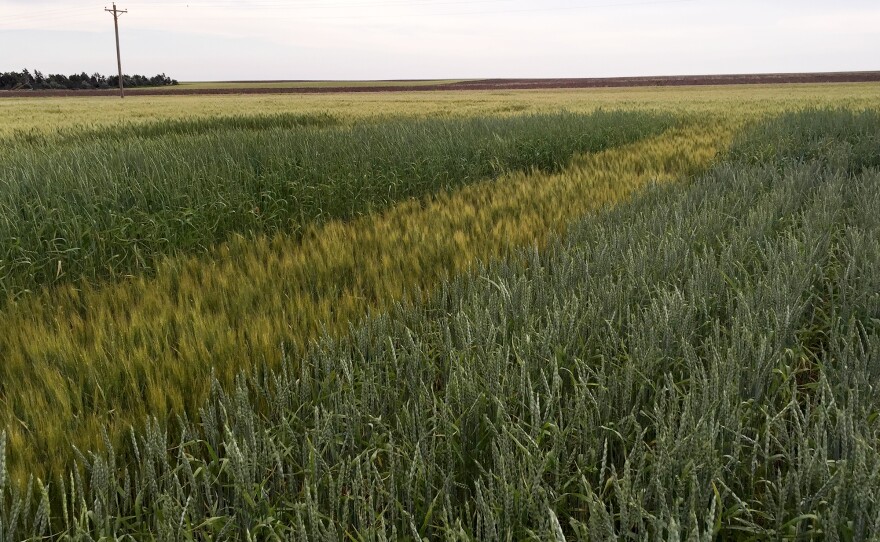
(116,14)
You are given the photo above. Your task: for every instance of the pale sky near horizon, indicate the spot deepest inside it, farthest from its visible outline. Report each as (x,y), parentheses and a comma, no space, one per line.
(200,40)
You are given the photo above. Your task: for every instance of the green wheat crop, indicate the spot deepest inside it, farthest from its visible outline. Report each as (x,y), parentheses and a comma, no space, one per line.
(699,363)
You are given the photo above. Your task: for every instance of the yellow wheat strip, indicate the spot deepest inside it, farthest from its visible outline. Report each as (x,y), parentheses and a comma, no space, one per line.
(107,357)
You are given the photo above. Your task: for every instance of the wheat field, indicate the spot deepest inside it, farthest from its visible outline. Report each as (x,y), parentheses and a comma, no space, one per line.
(591,315)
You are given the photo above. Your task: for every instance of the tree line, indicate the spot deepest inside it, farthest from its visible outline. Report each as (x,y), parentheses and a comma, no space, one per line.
(26,80)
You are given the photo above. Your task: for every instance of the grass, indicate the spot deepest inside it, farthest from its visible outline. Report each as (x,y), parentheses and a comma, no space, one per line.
(699,361)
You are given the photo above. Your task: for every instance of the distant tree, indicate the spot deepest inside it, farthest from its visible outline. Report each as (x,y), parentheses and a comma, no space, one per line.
(8,80)
(56,80)
(37,80)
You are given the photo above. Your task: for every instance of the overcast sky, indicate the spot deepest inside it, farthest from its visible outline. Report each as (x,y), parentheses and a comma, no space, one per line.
(198,40)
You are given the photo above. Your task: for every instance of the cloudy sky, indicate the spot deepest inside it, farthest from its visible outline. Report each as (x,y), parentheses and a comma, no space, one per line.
(196,40)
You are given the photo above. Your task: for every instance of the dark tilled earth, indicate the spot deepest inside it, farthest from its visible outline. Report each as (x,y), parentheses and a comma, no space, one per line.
(492,84)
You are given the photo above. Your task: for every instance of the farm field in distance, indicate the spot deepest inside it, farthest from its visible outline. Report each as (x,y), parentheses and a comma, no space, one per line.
(208,85)
(576,314)
(465,85)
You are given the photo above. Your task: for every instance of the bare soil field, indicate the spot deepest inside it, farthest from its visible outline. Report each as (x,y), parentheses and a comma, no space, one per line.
(480,84)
